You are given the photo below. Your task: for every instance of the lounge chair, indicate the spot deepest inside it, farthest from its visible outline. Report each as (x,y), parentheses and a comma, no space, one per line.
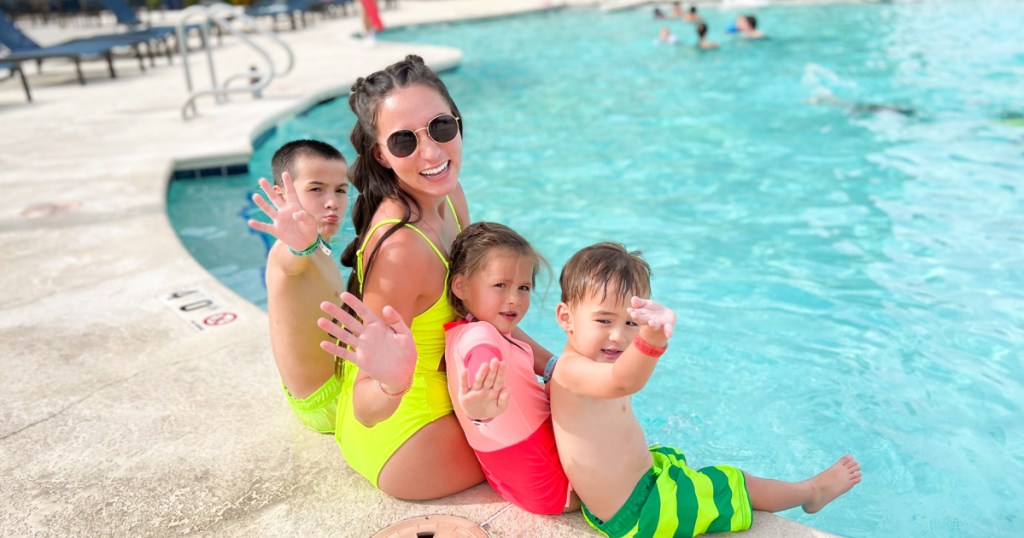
(293,9)
(23,48)
(15,69)
(126,15)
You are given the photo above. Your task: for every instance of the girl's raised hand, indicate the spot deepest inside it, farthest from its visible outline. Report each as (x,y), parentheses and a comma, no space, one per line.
(487,396)
(290,224)
(383,348)
(652,314)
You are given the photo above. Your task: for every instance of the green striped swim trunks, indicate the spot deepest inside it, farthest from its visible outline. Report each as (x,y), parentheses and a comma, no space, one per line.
(675,500)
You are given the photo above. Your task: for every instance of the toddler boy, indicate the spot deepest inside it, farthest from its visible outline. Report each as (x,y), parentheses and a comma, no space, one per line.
(615,337)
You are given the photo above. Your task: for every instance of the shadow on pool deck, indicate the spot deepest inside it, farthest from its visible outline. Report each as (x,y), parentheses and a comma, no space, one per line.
(119,417)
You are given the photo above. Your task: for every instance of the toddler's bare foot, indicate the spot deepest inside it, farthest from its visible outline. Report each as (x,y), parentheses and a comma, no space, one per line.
(833,482)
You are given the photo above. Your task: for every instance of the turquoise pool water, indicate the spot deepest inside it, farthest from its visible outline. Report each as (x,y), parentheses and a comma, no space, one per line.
(848,276)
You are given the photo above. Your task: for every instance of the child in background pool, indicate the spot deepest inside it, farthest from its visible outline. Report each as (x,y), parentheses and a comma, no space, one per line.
(307,203)
(502,408)
(616,335)
(702,41)
(666,36)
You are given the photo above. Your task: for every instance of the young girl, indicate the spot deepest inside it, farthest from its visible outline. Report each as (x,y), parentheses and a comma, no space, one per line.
(497,399)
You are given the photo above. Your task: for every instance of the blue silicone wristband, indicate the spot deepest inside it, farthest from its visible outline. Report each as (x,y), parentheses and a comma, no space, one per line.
(549,368)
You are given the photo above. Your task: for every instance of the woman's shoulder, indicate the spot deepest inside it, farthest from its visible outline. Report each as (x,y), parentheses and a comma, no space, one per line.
(402,240)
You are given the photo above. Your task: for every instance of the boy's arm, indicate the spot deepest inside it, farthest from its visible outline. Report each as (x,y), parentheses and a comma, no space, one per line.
(540,353)
(630,372)
(290,224)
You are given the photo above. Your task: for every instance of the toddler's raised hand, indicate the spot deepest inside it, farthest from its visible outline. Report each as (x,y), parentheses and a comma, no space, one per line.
(384,349)
(291,224)
(652,314)
(487,396)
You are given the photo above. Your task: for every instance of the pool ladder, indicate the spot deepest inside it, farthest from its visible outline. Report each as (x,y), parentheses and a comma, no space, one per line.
(233,20)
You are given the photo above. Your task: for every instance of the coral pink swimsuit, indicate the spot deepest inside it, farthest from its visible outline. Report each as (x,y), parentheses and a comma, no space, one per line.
(517,449)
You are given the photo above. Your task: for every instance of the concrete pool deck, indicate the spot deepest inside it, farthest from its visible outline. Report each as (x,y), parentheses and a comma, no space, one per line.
(120,417)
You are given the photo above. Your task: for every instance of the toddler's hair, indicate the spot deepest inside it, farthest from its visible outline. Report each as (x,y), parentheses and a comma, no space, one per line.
(604,267)
(286,156)
(472,247)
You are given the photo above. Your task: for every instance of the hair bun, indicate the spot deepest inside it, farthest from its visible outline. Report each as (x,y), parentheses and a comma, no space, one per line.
(412,58)
(358,85)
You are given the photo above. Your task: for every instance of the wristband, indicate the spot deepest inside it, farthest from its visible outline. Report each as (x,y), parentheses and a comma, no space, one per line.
(647,349)
(549,369)
(394,395)
(318,242)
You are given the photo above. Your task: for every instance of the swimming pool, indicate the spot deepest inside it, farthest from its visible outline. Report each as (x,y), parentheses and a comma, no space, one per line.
(848,275)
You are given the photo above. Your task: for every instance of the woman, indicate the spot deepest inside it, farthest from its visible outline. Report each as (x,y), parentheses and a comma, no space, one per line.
(395,422)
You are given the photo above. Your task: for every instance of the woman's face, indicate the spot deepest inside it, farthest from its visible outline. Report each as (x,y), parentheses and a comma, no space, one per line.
(432,170)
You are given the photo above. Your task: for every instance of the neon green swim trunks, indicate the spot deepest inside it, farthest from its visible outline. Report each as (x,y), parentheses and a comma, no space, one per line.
(319,410)
(675,500)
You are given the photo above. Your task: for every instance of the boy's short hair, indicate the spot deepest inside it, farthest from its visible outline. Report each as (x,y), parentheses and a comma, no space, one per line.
(287,155)
(752,21)
(593,270)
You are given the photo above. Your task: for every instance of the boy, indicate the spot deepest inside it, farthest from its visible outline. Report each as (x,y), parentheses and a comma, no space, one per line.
(615,338)
(310,196)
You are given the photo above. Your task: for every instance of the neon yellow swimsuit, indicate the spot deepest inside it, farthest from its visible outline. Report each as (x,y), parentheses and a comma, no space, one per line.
(367,449)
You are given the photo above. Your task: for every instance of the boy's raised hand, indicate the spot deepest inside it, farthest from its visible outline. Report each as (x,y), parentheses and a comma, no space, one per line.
(652,314)
(291,224)
(383,348)
(487,396)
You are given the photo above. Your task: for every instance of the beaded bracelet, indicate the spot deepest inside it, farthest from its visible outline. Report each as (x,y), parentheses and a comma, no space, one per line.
(394,395)
(308,250)
(647,349)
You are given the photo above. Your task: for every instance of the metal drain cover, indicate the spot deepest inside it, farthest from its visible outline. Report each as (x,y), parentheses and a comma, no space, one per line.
(436,526)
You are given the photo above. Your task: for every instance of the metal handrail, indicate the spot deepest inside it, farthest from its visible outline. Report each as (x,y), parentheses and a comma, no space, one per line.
(226,17)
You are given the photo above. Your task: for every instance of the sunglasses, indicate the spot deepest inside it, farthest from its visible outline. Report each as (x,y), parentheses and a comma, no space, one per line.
(441,129)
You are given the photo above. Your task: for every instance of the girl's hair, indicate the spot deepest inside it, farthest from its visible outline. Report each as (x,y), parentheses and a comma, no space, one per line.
(373,180)
(475,244)
(605,268)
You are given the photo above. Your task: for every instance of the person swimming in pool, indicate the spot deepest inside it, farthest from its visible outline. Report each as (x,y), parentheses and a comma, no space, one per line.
(746,25)
(863,108)
(396,425)
(666,37)
(702,41)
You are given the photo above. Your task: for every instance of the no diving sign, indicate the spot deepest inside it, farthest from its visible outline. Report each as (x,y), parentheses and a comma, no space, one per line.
(199,309)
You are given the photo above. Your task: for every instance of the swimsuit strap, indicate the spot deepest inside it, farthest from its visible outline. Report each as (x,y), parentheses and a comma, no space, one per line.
(359,253)
(454,213)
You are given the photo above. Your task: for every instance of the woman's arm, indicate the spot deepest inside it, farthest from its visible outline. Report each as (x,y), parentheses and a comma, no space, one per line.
(391,284)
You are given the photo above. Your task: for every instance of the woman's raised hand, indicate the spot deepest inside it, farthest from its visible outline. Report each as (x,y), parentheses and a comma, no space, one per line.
(382,348)
(290,224)
(654,315)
